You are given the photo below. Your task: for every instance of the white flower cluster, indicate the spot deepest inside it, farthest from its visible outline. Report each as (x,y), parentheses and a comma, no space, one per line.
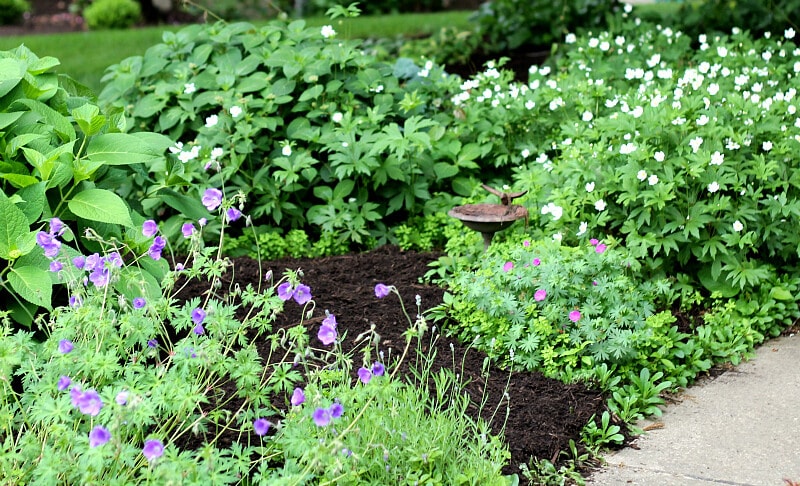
(555,211)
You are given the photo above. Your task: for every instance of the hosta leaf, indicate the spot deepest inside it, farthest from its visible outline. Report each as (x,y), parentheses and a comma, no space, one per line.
(100,205)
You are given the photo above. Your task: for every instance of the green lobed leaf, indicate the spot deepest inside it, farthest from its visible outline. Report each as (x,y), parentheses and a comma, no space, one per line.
(100,205)
(32,284)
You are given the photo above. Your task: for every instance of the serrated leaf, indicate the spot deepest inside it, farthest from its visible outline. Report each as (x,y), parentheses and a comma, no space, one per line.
(59,122)
(33,200)
(32,284)
(13,227)
(100,205)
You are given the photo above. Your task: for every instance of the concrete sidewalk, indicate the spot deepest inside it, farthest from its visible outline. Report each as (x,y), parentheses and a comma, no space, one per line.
(741,428)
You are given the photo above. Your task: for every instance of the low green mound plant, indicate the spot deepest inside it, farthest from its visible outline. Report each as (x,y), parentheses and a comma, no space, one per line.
(112,14)
(62,158)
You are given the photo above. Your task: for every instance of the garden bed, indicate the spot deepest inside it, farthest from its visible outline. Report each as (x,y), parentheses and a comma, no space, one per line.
(544,414)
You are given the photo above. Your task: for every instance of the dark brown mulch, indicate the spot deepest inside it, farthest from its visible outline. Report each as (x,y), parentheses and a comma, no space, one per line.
(544,414)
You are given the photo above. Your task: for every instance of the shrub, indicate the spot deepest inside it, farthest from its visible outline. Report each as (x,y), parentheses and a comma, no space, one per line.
(316,134)
(759,17)
(112,14)
(11,11)
(61,158)
(511,24)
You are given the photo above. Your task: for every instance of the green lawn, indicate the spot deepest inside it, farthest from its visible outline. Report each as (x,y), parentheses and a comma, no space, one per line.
(86,55)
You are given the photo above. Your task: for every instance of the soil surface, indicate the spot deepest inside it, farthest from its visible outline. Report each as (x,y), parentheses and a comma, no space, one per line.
(544,414)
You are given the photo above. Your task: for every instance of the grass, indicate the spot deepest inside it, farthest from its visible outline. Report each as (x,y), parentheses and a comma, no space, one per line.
(86,55)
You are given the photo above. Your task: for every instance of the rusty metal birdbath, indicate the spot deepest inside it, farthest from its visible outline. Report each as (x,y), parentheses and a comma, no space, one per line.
(488,219)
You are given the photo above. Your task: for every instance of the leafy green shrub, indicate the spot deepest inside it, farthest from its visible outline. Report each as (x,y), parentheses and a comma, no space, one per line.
(112,14)
(11,11)
(445,46)
(62,157)
(756,16)
(510,24)
(239,9)
(316,134)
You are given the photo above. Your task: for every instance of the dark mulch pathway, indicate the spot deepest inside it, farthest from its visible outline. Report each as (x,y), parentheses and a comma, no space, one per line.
(544,414)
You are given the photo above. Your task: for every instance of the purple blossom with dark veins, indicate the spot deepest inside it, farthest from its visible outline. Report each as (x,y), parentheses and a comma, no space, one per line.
(382,290)
(364,375)
(65,346)
(378,369)
(232,214)
(149,228)
(198,315)
(298,397)
(99,436)
(261,426)
(285,291)
(159,243)
(322,417)
(90,403)
(139,302)
(336,410)
(63,383)
(212,198)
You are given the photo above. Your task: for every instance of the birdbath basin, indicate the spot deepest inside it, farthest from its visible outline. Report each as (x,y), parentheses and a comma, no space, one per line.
(488,219)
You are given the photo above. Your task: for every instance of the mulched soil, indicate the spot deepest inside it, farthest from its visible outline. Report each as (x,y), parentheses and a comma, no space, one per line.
(544,414)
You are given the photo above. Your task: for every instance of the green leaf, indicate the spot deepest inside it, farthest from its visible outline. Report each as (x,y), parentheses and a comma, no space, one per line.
(312,92)
(19,180)
(13,229)
(33,197)
(121,149)
(100,205)
(7,119)
(89,119)
(343,189)
(444,170)
(134,282)
(32,284)
(59,122)
(716,285)
(192,208)
(11,73)
(779,293)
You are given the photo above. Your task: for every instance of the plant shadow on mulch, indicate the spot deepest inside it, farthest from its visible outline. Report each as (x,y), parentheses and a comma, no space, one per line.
(544,414)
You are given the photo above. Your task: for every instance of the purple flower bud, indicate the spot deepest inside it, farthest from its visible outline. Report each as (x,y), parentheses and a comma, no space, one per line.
(75,301)
(121,398)
(149,228)
(99,436)
(139,302)
(199,330)
(382,290)
(65,346)
(298,397)
(202,222)
(152,343)
(212,198)
(536,262)
(261,426)
(56,266)
(153,449)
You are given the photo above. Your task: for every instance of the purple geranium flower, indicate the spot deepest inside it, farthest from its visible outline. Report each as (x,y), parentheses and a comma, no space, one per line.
(153,449)
(48,243)
(212,198)
(90,403)
(298,397)
(199,330)
(79,262)
(56,266)
(536,262)
(198,315)
(378,369)
(508,266)
(100,276)
(285,291)
(326,334)
(75,301)
(364,375)
(600,248)
(149,228)
(540,295)
(261,426)
(75,395)
(382,290)
(336,410)
(64,382)
(99,436)
(57,227)
(322,417)
(65,346)
(187,229)
(139,302)
(302,294)
(121,398)
(159,243)
(575,316)
(232,214)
